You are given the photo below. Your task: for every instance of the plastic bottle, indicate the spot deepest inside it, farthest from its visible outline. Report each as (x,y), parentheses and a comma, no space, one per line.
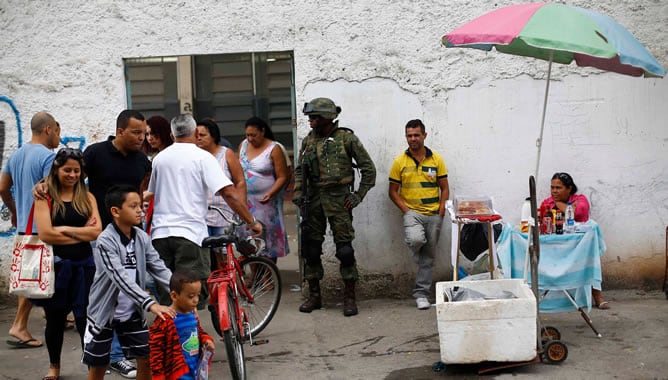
(559,223)
(546,226)
(570,219)
(525,216)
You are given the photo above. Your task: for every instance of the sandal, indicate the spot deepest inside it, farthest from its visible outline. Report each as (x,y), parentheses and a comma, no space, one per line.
(53,377)
(604,305)
(598,300)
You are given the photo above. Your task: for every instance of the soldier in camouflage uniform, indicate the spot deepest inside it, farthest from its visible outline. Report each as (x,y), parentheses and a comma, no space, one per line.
(325,172)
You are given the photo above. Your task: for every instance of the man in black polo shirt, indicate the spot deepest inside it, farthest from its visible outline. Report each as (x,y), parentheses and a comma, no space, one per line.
(119,160)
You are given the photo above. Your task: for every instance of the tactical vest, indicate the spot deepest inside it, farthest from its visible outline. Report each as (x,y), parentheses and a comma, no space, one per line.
(328,160)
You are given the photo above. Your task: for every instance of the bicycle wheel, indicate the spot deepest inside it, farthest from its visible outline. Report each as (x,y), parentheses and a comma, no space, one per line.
(263,281)
(233,342)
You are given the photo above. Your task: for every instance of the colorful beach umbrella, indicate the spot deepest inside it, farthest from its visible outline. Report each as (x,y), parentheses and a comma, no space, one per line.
(557,33)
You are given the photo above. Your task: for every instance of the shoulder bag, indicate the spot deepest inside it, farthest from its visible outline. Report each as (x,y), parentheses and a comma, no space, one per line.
(32,273)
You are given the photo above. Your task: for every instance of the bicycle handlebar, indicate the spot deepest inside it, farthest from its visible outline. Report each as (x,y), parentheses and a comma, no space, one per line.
(248,246)
(233,220)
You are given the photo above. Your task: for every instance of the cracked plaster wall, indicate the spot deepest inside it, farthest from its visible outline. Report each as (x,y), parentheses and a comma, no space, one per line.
(383,62)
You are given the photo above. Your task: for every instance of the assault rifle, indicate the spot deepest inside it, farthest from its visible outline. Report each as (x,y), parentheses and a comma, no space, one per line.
(303,200)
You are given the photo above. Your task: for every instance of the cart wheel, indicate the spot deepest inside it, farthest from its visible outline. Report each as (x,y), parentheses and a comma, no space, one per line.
(550,332)
(555,352)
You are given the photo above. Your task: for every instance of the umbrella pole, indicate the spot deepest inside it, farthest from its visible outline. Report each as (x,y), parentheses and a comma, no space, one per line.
(539,141)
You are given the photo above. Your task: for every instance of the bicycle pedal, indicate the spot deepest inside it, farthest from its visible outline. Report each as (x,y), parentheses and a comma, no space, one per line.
(258,342)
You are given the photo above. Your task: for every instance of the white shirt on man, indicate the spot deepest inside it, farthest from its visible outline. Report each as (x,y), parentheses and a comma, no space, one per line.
(181,178)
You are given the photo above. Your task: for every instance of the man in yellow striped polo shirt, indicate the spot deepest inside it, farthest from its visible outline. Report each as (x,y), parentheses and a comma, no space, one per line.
(419,188)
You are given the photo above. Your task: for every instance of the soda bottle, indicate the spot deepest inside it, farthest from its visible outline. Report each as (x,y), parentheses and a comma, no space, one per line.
(559,223)
(570,219)
(546,226)
(525,215)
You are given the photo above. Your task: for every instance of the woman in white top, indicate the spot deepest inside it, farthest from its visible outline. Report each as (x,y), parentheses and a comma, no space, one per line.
(208,138)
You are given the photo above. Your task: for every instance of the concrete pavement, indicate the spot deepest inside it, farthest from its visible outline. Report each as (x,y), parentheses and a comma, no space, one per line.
(391,339)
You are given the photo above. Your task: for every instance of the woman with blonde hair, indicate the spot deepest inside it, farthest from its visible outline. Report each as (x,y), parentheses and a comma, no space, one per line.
(69,220)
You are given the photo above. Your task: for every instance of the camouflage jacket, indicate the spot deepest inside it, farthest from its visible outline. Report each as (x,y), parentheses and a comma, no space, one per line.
(328,161)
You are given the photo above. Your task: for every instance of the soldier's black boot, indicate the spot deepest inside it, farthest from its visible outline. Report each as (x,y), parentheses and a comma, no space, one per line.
(314,300)
(349,305)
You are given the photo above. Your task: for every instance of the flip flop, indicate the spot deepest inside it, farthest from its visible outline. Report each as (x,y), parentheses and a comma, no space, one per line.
(24,343)
(603,305)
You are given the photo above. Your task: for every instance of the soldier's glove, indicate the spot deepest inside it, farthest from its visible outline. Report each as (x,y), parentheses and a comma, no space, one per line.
(352,200)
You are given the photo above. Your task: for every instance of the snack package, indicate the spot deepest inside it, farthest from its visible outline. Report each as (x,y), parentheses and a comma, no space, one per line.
(473,206)
(204,363)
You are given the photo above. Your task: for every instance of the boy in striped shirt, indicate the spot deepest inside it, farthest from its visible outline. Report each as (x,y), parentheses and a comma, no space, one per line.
(176,344)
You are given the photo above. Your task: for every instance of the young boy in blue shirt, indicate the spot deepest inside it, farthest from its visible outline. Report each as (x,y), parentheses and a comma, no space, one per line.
(176,343)
(124,256)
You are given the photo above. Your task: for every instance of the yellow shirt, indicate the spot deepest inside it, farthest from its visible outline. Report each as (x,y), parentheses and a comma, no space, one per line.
(419,181)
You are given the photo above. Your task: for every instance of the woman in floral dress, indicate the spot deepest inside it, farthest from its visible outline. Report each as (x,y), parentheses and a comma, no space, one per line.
(266,172)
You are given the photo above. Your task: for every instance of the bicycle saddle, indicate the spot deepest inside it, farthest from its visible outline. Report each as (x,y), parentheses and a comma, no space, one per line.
(218,241)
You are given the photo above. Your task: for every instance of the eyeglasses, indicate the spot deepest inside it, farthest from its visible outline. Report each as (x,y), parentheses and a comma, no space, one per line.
(70,153)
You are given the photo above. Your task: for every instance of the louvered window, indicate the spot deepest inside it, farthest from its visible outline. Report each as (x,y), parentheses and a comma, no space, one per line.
(227,87)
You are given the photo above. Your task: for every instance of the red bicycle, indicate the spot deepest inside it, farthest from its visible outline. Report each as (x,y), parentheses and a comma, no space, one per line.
(244,292)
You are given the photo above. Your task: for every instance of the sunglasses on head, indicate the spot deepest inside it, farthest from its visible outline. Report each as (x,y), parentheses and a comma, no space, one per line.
(69,153)
(564,177)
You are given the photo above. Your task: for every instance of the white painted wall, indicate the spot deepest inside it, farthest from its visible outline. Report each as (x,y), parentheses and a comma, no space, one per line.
(383,63)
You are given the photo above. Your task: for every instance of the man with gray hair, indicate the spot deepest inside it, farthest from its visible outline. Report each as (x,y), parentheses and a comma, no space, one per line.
(182,176)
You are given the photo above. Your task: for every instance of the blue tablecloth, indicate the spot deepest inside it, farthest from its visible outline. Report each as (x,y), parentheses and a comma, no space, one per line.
(569,262)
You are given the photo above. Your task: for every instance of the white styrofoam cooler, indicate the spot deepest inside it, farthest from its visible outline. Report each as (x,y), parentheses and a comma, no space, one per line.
(502,330)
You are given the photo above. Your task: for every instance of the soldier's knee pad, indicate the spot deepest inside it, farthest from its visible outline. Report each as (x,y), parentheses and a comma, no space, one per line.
(311,251)
(346,254)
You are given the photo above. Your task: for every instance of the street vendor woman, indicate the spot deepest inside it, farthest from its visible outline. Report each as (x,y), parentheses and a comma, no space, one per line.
(564,190)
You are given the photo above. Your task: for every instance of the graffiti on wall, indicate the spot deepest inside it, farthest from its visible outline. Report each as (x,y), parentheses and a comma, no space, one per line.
(6,228)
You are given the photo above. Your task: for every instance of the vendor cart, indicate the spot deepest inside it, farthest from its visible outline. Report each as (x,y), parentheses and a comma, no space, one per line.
(500,332)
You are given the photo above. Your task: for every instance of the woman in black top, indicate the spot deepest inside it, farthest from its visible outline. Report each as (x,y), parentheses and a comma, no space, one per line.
(69,220)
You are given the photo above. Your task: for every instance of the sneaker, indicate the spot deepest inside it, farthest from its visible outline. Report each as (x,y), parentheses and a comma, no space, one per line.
(422,303)
(125,368)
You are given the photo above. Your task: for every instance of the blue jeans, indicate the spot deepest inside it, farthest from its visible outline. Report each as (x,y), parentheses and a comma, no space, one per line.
(152,286)
(215,230)
(116,350)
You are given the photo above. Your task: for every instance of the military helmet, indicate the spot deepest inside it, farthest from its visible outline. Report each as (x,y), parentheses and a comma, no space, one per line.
(323,107)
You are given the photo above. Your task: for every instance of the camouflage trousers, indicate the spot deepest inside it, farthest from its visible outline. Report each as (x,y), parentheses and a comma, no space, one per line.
(326,206)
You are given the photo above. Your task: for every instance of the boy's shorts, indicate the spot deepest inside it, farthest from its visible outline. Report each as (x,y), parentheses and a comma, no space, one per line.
(132,335)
